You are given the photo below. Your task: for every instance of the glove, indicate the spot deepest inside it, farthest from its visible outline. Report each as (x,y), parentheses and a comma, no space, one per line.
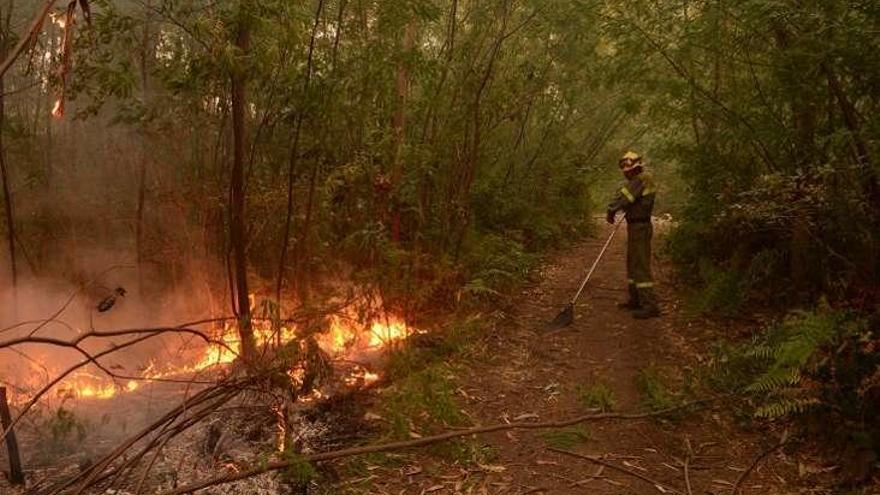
(609,217)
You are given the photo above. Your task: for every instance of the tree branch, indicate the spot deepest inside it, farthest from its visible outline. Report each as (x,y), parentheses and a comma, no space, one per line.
(32,31)
(449,435)
(661,487)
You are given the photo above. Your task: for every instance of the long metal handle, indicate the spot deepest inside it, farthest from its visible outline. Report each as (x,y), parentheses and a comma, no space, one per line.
(596,263)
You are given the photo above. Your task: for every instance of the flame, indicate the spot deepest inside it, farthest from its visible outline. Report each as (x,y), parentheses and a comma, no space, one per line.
(344,338)
(58,19)
(58,109)
(86,386)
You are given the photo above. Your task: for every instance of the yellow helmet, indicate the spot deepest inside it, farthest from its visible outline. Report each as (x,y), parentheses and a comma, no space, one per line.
(630,161)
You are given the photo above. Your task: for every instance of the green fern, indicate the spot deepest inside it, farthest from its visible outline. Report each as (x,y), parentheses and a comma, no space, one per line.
(761,351)
(776,379)
(786,407)
(790,352)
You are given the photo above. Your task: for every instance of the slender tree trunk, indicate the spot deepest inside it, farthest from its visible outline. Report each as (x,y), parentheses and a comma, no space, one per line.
(854,126)
(16,473)
(4,173)
(399,126)
(472,153)
(302,252)
(237,223)
(145,55)
(340,19)
(294,156)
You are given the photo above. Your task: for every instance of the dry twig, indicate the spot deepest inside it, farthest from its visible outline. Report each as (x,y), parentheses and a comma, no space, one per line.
(661,487)
(385,447)
(742,477)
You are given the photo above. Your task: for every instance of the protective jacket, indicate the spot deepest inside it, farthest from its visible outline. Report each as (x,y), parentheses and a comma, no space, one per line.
(636,199)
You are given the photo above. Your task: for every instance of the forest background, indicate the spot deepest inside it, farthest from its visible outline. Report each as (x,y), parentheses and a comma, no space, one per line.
(431,151)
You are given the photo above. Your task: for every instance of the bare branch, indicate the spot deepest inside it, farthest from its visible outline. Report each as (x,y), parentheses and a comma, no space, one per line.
(31,33)
(420,442)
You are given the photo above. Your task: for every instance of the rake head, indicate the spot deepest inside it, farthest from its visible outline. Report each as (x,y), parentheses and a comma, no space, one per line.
(564,318)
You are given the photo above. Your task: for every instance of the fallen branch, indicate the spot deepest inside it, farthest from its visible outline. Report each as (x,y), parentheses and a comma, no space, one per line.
(660,487)
(687,462)
(739,481)
(420,442)
(213,397)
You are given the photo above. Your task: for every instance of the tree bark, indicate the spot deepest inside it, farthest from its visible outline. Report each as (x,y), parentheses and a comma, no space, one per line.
(4,173)
(237,223)
(854,126)
(398,126)
(16,474)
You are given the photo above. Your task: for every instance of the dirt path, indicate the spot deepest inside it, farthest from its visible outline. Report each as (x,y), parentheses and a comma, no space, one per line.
(529,374)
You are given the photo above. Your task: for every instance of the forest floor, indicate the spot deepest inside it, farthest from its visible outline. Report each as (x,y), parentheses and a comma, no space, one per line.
(517,370)
(606,356)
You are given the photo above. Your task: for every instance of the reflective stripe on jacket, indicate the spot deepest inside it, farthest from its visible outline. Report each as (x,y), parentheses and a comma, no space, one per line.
(635,198)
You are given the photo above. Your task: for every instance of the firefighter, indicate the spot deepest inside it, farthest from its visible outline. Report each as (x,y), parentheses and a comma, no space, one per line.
(636,199)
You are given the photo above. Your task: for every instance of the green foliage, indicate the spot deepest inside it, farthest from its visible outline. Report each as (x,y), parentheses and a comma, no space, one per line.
(497,265)
(458,339)
(300,471)
(596,396)
(819,364)
(64,434)
(566,438)
(465,451)
(424,399)
(66,428)
(655,390)
(491,165)
(788,360)
(777,203)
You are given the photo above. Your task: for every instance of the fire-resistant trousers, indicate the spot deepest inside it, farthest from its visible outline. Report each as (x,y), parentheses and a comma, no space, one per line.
(638,264)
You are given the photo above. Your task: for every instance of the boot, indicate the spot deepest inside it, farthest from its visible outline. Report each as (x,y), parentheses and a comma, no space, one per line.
(648,308)
(633,303)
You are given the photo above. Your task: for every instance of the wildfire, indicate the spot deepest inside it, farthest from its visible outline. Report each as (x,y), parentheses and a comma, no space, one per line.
(58,109)
(86,386)
(346,337)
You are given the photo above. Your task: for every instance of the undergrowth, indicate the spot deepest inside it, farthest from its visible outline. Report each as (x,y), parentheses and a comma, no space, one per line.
(567,438)
(657,393)
(63,433)
(819,368)
(596,396)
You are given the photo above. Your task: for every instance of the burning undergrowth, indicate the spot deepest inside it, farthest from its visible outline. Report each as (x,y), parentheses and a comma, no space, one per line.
(94,399)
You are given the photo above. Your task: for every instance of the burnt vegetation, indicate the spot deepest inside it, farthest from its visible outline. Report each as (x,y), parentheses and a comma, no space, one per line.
(246,238)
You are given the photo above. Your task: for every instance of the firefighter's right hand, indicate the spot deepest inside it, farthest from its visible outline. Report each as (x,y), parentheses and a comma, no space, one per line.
(609,217)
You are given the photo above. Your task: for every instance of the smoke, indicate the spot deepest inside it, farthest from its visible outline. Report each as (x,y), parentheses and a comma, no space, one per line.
(75,205)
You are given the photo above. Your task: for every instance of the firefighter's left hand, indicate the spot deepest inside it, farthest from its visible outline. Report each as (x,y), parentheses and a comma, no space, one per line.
(609,217)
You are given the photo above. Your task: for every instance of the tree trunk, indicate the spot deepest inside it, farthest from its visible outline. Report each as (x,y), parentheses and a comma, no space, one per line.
(237,223)
(398,125)
(16,473)
(145,55)
(294,156)
(4,174)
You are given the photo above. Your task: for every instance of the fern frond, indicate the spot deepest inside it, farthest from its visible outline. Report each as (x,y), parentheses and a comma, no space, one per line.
(776,379)
(786,407)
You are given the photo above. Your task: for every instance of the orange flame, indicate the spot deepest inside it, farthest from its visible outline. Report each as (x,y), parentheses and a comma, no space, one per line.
(343,338)
(58,109)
